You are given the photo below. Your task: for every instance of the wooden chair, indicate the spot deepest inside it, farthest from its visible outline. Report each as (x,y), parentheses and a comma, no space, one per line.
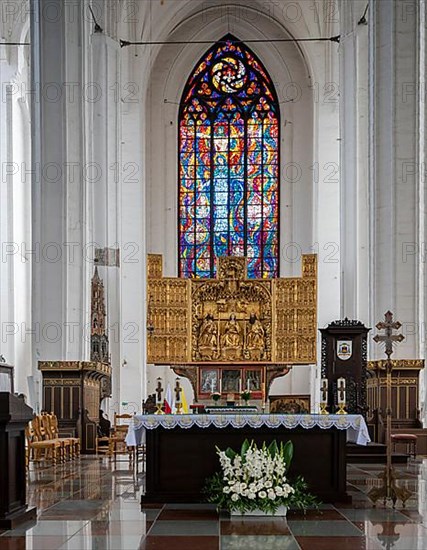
(39,447)
(50,434)
(73,442)
(102,444)
(140,452)
(117,439)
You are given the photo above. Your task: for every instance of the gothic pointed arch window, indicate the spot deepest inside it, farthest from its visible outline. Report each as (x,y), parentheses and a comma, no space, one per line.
(229,163)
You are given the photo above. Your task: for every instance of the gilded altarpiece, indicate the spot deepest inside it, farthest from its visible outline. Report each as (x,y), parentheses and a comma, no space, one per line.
(232,321)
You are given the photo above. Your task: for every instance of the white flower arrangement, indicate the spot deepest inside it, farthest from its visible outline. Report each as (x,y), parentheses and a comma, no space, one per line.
(256,479)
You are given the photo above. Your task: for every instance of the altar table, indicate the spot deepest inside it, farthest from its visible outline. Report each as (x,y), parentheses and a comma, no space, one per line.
(181,449)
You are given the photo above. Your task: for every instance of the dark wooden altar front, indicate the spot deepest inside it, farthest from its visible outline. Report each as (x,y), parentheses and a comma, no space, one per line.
(179,460)
(73,391)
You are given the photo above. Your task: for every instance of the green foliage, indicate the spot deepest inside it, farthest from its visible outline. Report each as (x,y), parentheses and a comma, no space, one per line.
(302,499)
(273,449)
(245,447)
(287,452)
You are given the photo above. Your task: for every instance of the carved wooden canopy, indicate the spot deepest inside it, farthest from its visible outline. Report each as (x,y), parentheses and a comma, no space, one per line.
(231,318)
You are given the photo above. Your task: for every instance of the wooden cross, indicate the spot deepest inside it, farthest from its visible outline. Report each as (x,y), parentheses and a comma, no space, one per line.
(324,389)
(178,391)
(159,390)
(389,339)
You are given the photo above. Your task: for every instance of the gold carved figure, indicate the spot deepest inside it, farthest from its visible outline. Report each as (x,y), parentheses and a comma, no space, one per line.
(255,342)
(231,339)
(208,338)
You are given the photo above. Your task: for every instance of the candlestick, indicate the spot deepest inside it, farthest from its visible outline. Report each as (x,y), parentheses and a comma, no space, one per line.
(341,396)
(323,396)
(341,390)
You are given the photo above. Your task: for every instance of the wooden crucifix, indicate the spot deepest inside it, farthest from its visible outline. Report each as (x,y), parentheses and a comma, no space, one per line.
(159,390)
(324,390)
(178,391)
(388,338)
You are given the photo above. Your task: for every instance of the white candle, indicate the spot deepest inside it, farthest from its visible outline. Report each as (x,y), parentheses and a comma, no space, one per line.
(220,385)
(341,390)
(240,385)
(248,385)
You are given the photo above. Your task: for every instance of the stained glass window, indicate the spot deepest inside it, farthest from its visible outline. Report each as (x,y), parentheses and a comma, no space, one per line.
(228,164)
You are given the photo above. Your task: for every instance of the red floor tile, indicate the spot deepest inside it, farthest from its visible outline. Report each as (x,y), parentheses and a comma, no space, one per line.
(152,505)
(188,515)
(180,543)
(255,527)
(336,543)
(35,543)
(317,515)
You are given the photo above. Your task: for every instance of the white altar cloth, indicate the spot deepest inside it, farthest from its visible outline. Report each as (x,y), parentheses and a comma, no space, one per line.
(357,430)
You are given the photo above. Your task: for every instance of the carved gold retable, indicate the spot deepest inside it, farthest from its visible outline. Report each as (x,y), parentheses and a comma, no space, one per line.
(231,320)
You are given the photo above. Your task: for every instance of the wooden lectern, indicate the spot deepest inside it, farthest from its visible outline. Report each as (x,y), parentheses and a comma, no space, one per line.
(14,416)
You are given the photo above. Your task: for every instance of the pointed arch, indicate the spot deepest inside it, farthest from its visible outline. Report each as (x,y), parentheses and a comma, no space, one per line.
(229,125)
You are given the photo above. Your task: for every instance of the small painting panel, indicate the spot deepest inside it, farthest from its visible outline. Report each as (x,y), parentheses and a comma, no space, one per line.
(290,404)
(253,380)
(230,381)
(209,381)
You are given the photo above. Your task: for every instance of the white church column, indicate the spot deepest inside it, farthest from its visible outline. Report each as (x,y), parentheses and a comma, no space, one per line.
(60,231)
(104,178)
(422,194)
(6,207)
(15,206)
(117,205)
(326,191)
(132,193)
(394,185)
(353,162)
(397,173)
(21,182)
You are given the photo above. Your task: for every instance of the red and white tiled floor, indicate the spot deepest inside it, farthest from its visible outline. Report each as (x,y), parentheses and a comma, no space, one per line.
(95,504)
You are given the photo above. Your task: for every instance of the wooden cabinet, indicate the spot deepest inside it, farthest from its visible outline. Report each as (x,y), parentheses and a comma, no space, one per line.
(73,391)
(14,416)
(344,355)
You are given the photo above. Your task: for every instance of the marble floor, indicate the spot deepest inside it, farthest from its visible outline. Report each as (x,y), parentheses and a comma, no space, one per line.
(94,504)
